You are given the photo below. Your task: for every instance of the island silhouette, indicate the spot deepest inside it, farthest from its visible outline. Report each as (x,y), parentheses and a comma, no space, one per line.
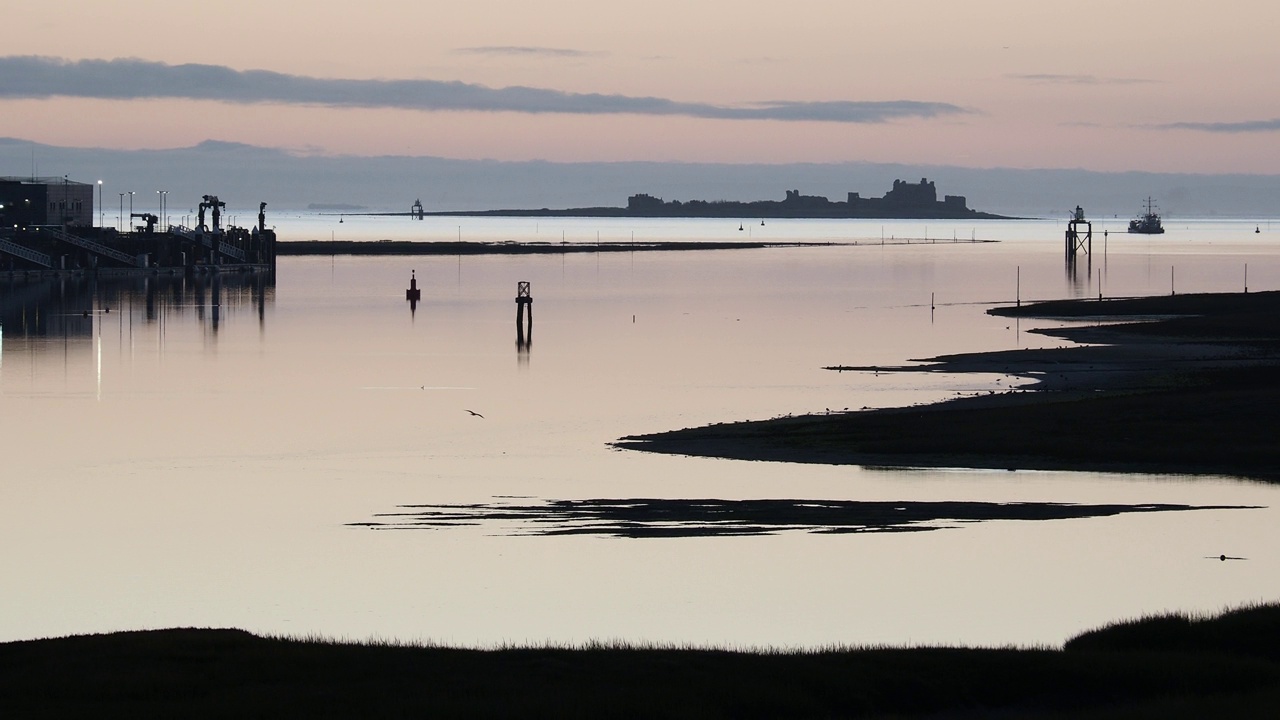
(905,200)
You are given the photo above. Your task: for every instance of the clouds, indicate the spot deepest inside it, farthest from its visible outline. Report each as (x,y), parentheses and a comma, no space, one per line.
(1246,126)
(1058,79)
(521,51)
(133,79)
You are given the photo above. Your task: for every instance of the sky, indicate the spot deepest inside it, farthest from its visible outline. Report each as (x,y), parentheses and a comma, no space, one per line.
(1169,86)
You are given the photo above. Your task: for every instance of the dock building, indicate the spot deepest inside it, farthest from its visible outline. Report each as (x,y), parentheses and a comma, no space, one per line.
(47,227)
(45,201)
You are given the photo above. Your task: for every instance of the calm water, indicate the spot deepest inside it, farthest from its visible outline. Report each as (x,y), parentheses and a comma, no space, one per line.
(204,456)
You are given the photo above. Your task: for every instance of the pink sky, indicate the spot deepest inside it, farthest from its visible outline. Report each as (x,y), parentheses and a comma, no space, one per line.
(1092,84)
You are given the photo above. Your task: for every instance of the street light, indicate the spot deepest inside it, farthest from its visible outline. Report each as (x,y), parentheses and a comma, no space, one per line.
(101,210)
(120,217)
(130,211)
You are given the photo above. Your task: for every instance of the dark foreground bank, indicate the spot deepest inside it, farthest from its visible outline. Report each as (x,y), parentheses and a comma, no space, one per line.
(1188,384)
(1168,667)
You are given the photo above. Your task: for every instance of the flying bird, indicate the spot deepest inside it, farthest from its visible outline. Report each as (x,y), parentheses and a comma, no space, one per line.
(473,412)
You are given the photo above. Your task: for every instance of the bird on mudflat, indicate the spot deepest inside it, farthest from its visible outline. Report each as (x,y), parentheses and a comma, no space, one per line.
(473,412)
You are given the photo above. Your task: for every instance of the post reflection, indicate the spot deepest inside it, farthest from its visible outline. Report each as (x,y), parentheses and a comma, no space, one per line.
(72,308)
(1079,279)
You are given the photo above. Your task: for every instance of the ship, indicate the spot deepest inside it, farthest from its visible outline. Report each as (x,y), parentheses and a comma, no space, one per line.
(1148,223)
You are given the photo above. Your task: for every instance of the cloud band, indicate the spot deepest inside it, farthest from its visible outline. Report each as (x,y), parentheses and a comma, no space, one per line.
(1247,126)
(132,79)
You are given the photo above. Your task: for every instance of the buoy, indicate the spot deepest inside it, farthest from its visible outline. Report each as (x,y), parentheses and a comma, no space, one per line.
(413,293)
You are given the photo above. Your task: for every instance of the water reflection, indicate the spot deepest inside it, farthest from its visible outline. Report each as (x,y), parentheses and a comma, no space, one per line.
(667,518)
(69,307)
(1080,280)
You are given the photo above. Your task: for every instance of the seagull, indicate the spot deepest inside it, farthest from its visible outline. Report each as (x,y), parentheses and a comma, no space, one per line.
(473,412)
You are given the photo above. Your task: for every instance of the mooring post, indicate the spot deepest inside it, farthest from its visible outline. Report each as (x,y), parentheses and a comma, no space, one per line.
(523,299)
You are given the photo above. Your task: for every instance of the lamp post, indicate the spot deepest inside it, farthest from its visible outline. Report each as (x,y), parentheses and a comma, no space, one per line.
(120,216)
(130,211)
(101,210)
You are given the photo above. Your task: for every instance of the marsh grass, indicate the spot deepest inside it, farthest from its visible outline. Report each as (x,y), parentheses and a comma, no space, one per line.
(1165,666)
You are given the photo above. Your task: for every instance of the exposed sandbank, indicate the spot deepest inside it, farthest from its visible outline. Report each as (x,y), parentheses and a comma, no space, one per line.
(1190,386)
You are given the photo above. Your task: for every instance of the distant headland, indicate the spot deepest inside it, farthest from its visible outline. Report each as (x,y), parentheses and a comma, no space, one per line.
(905,201)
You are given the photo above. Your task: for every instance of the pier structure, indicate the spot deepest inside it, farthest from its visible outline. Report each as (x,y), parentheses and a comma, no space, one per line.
(1079,236)
(31,245)
(524,335)
(417,211)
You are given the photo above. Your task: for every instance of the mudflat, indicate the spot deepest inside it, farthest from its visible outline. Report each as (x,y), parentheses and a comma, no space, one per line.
(1180,384)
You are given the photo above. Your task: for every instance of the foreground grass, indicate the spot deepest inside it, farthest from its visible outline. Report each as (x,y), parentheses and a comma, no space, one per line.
(1228,666)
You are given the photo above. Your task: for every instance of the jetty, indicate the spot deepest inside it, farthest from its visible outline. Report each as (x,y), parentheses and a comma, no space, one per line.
(47,229)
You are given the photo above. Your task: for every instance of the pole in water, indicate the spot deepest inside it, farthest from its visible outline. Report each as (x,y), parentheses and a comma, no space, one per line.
(524,333)
(1018,291)
(1246,278)
(1171,290)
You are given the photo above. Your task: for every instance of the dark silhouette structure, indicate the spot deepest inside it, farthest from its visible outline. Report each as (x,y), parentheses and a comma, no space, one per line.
(904,200)
(1079,239)
(1079,236)
(413,294)
(149,222)
(35,242)
(45,201)
(211,202)
(1148,223)
(524,335)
